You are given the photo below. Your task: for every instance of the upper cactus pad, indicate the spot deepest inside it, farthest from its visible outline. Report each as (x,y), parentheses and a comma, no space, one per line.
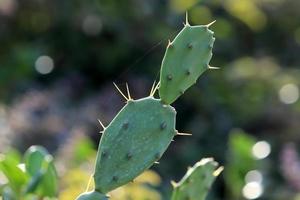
(186,58)
(133,141)
(197,181)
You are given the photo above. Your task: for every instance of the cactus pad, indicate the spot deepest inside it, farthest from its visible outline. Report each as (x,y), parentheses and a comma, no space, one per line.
(94,195)
(133,141)
(186,58)
(197,181)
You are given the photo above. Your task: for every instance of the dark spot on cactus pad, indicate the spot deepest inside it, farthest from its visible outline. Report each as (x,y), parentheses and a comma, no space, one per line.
(104,154)
(128,156)
(125,125)
(115,178)
(169,77)
(163,125)
(190,46)
(188,72)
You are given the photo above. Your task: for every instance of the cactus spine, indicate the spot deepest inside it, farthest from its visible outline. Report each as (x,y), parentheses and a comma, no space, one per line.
(141,132)
(197,181)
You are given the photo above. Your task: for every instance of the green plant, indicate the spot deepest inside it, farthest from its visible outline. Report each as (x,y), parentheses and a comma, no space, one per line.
(35,177)
(197,180)
(141,132)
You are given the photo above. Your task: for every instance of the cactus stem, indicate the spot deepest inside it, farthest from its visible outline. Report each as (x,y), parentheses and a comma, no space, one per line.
(127,99)
(210,24)
(101,124)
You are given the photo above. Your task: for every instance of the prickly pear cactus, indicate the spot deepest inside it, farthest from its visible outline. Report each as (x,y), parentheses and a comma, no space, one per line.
(133,141)
(186,58)
(141,132)
(197,181)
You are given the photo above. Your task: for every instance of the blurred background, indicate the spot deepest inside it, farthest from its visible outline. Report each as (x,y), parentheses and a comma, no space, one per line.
(58,60)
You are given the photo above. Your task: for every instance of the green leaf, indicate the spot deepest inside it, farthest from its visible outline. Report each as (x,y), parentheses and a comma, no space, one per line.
(16,177)
(39,164)
(33,159)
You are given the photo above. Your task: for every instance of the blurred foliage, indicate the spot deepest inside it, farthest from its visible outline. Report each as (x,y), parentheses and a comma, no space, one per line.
(58,59)
(240,161)
(35,178)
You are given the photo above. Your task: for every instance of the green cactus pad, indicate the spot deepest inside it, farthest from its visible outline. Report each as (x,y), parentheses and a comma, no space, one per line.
(186,58)
(133,141)
(94,195)
(197,181)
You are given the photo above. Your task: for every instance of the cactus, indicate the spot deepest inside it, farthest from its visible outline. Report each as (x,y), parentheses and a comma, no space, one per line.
(186,58)
(141,132)
(197,181)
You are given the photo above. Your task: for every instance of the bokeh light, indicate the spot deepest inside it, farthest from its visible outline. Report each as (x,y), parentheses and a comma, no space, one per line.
(92,25)
(261,150)
(252,190)
(253,176)
(289,93)
(44,65)
(8,7)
